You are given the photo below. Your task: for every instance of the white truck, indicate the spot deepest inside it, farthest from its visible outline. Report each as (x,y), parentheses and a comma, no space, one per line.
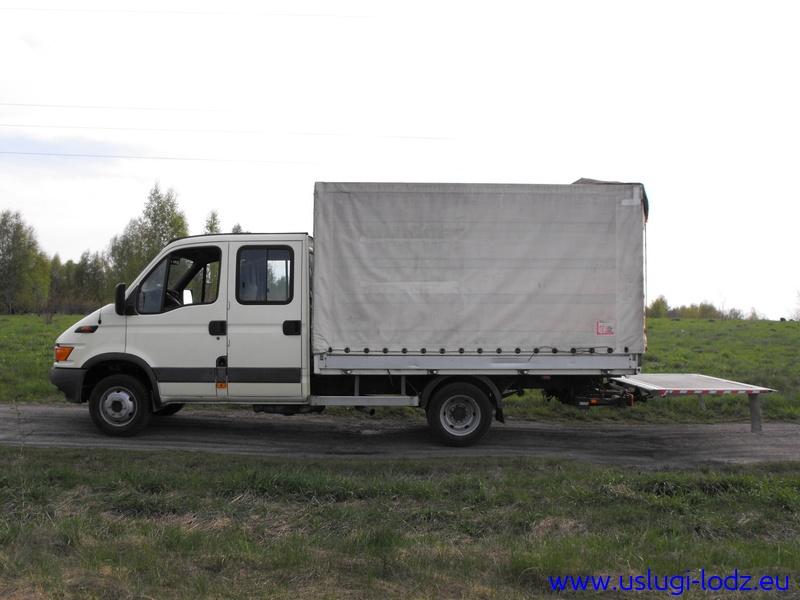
(446,297)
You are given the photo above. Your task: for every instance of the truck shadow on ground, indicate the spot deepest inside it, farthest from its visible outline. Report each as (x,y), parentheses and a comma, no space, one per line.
(653,446)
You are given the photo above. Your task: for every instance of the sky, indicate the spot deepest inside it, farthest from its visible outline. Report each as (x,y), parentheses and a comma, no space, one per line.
(242,106)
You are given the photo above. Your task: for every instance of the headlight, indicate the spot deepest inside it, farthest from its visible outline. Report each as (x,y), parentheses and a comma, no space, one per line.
(62,352)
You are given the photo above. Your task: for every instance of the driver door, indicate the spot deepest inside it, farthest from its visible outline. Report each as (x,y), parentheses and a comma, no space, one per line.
(179,328)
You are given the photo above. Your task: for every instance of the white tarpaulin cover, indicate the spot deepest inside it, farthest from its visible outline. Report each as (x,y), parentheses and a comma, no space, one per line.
(417,265)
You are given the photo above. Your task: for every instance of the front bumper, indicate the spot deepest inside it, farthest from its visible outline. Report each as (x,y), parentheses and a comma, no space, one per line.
(69,381)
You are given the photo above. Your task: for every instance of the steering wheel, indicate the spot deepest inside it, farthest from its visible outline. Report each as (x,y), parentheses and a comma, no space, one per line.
(172,300)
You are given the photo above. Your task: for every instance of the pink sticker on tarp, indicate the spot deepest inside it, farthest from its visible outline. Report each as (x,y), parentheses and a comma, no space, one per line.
(605,328)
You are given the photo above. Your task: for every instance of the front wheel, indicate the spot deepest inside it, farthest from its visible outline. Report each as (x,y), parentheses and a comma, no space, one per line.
(459,414)
(120,405)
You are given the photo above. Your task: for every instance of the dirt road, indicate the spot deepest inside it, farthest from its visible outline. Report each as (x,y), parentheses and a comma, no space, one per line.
(243,432)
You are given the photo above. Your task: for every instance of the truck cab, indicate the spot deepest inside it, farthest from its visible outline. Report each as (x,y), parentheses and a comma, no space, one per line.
(213,318)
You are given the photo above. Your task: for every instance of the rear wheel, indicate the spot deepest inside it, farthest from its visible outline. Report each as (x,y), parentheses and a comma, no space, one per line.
(459,414)
(120,405)
(168,410)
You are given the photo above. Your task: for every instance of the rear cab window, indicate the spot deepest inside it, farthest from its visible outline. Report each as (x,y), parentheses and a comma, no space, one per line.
(264,275)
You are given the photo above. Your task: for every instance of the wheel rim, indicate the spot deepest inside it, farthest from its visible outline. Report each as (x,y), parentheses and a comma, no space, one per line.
(460,415)
(118,406)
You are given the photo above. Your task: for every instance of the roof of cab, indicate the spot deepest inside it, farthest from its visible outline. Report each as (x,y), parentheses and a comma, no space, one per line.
(230,236)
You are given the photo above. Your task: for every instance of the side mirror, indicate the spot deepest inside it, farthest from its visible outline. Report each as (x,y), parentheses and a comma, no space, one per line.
(119,299)
(187,297)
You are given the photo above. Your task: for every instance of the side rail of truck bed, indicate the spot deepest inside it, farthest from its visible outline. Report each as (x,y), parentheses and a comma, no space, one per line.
(514,361)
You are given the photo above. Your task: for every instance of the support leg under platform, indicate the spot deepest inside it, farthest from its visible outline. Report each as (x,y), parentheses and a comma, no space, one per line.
(755,412)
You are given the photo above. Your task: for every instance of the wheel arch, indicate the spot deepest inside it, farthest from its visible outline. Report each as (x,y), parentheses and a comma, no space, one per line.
(102,365)
(481,381)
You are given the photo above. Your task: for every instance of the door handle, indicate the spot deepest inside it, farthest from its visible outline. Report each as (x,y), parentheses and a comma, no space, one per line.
(291,328)
(218,327)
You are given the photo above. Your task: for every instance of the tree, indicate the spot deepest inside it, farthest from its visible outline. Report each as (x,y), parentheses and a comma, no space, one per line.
(90,280)
(212,223)
(69,301)
(24,268)
(56,291)
(161,221)
(734,314)
(236,228)
(36,283)
(706,310)
(658,308)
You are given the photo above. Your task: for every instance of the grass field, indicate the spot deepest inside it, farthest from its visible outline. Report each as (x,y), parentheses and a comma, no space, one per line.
(109,524)
(761,352)
(115,524)
(26,354)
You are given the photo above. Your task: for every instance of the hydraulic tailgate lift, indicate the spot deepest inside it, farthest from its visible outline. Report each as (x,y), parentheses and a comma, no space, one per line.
(692,384)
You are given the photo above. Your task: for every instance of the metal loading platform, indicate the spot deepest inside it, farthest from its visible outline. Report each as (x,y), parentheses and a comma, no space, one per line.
(694,384)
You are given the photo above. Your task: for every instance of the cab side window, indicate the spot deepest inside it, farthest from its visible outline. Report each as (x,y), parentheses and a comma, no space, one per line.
(151,292)
(187,276)
(264,275)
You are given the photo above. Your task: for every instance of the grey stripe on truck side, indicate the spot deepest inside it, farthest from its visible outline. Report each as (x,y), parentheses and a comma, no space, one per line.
(185,375)
(235,375)
(258,375)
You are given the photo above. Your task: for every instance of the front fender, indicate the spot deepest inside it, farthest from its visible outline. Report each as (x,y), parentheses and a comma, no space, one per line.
(124,357)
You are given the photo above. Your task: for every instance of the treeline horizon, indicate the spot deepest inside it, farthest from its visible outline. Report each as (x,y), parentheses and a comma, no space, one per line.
(31,281)
(660,308)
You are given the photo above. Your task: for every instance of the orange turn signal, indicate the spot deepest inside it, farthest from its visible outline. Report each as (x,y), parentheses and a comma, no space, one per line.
(62,352)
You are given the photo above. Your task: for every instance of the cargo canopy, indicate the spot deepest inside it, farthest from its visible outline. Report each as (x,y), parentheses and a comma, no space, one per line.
(470,268)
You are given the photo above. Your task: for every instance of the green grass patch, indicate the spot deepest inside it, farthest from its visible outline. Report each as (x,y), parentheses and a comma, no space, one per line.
(26,354)
(78,524)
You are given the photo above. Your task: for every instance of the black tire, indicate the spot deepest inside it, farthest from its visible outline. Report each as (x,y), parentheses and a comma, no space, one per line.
(459,414)
(168,410)
(120,405)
